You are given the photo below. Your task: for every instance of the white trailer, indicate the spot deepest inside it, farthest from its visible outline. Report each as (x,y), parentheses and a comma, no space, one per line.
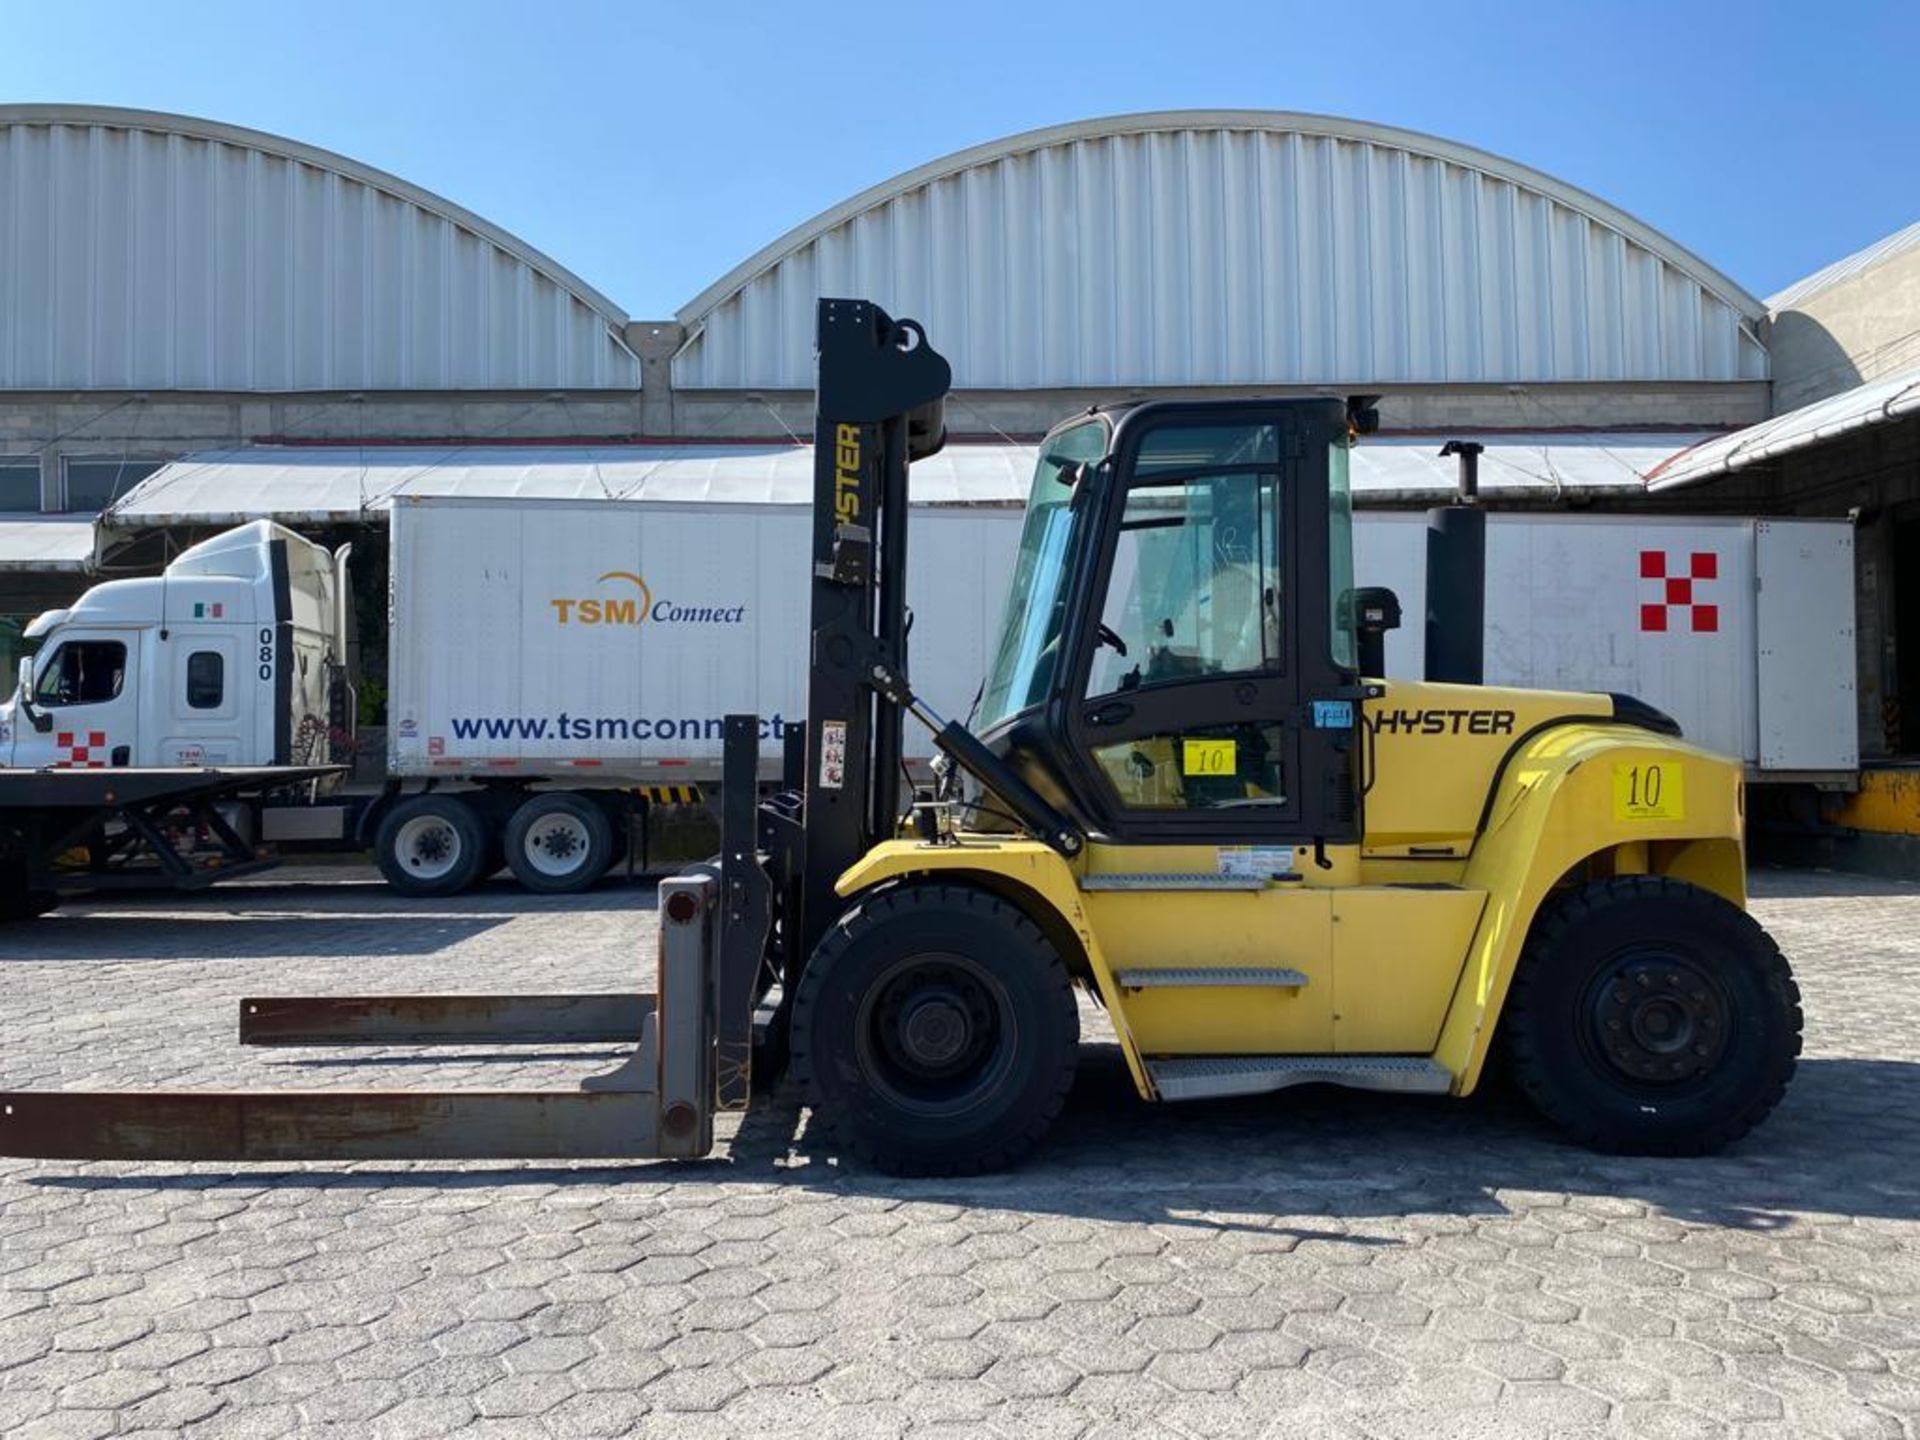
(1741,629)
(591,641)
(549,653)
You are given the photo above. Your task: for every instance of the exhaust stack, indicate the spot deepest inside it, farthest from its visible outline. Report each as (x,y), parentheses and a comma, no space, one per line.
(1457,577)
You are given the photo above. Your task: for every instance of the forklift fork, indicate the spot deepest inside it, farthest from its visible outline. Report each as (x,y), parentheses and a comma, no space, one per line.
(691,1048)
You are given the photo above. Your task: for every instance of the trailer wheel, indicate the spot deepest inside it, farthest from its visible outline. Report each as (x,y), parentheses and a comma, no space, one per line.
(432,845)
(934,1032)
(559,843)
(1652,1017)
(24,904)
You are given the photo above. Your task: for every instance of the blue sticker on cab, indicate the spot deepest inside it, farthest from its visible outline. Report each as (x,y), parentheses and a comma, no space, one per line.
(1333,714)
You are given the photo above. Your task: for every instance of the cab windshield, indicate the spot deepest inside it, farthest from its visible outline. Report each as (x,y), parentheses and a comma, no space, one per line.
(1031,625)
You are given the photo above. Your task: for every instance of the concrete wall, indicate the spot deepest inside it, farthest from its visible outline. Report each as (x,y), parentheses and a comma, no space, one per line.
(1858,328)
(1023,413)
(164,426)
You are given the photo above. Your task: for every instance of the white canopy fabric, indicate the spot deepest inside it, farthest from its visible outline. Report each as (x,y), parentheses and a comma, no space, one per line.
(46,543)
(1549,465)
(343,483)
(1891,397)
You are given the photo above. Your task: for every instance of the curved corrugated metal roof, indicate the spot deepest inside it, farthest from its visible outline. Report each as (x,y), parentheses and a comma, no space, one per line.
(1846,268)
(141,250)
(1236,247)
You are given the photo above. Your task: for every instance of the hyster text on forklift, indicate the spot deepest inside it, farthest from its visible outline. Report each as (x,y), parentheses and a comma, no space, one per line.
(1184,798)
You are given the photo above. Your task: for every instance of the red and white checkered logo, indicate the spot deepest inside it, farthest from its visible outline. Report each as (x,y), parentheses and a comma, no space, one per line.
(1679,606)
(85,750)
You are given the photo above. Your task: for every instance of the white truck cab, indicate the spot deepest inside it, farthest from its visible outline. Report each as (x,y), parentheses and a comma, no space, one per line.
(228,658)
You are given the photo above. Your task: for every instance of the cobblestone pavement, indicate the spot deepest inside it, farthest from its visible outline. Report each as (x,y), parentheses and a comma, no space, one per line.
(1311,1264)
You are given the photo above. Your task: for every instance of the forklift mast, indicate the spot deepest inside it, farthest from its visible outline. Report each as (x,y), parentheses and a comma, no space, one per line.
(878,407)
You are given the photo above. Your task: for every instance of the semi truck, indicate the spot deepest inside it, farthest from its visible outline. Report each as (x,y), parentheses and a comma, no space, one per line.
(160,718)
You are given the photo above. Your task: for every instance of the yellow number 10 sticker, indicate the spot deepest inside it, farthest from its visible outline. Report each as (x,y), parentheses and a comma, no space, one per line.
(1649,791)
(1207,757)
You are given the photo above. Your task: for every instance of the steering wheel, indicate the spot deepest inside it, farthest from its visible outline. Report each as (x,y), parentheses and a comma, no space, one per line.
(1109,636)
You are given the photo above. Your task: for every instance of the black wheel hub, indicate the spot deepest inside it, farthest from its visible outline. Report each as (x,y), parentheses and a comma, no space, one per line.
(934,1032)
(936,1029)
(1660,1020)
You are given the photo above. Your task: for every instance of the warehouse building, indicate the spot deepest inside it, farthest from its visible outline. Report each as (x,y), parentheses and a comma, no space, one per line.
(170,285)
(181,288)
(200,324)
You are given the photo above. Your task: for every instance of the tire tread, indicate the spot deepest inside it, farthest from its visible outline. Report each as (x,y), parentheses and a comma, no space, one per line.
(1528,1051)
(866,916)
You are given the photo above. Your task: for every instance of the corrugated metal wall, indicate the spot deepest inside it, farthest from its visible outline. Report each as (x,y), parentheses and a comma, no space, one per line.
(137,257)
(1223,256)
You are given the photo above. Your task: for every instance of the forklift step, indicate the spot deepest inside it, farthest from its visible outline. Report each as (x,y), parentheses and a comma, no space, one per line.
(1206,1077)
(1210,975)
(1173,881)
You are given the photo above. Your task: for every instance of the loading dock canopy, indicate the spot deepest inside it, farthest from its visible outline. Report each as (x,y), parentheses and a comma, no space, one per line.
(45,545)
(1878,402)
(342,483)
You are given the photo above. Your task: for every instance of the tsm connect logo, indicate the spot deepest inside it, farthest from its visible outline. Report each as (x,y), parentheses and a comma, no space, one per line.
(639,608)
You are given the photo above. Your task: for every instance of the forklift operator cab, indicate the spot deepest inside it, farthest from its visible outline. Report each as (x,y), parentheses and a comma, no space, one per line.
(1196,681)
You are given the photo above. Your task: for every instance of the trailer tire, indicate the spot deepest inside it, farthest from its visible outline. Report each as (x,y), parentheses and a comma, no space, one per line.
(432,845)
(1652,1017)
(23,904)
(559,843)
(934,1032)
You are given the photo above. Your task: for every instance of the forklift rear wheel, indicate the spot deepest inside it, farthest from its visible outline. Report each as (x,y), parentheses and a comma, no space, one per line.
(432,845)
(934,1032)
(1652,1017)
(559,843)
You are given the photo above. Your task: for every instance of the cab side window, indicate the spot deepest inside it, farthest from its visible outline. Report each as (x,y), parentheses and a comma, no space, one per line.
(206,680)
(1195,594)
(1195,589)
(82,672)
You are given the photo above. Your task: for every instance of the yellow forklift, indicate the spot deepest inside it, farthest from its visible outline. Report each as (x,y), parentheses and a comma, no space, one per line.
(1185,792)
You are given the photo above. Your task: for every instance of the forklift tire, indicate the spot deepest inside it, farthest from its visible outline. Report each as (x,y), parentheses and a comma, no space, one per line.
(934,1032)
(1652,1017)
(559,843)
(432,845)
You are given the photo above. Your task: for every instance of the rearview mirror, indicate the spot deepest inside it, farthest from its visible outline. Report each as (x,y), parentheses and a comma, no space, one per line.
(42,721)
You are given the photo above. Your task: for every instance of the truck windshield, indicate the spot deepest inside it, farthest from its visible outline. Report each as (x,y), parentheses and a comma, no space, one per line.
(1036,603)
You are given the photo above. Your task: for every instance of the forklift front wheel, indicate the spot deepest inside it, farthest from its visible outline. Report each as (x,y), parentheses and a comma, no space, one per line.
(934,1032)
(432,845)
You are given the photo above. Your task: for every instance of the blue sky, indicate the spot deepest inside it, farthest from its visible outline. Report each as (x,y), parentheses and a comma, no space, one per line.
(650,147)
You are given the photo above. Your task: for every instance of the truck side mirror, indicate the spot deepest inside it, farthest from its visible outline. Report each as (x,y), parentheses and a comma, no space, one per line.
(42,721)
